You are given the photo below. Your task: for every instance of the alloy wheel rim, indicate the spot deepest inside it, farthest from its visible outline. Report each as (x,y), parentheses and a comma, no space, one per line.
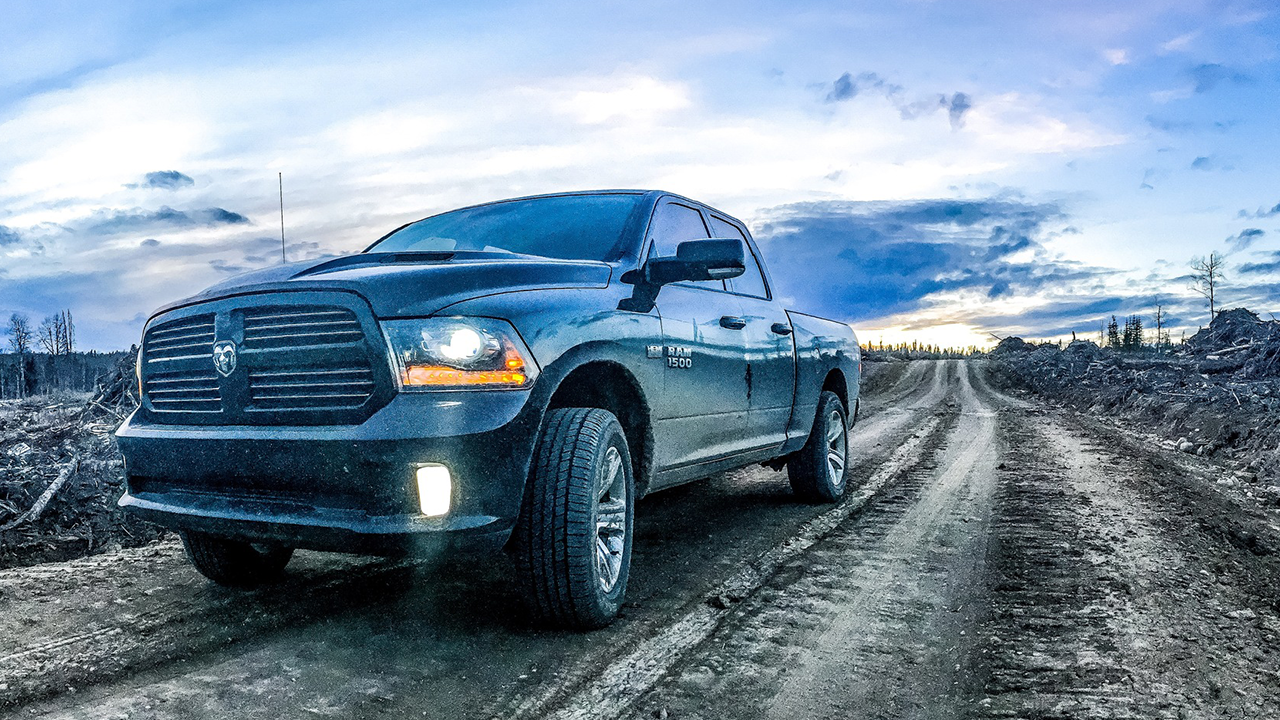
(611,519)
(837,448)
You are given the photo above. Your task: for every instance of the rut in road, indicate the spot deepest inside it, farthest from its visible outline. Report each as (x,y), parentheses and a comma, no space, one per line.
(876,620)
(140,634)
(1109,600)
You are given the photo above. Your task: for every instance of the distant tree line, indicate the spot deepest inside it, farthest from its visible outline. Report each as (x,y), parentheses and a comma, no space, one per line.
(44,359)
(915,350)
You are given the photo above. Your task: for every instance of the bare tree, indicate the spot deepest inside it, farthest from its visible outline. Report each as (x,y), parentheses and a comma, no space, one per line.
(47,334)
(19,332)
(66,332)
(1206,276)
(1159,327)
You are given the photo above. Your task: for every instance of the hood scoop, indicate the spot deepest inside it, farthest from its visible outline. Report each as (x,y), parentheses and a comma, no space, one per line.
(368,259)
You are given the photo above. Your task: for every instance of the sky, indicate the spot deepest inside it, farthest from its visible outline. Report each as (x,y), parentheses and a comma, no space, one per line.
(946,172)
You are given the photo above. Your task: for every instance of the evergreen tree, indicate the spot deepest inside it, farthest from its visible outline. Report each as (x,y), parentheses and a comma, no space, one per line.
(1137,339)
(1113,334)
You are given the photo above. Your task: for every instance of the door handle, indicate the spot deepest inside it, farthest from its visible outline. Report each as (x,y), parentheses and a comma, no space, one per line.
(781,328)
(733,323)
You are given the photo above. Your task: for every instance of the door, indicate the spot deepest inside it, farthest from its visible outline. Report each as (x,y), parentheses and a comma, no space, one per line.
(702,413)
(770,346)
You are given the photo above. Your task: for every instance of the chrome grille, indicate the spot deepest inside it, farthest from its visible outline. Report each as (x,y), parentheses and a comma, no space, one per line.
(184,391)
(188,337)
(286,327)
(301,358)
(322,388)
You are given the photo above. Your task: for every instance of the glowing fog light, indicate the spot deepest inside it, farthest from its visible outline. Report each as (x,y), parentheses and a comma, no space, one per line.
(435,490)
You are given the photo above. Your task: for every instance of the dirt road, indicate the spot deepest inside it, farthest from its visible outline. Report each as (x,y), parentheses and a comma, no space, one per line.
(998,558)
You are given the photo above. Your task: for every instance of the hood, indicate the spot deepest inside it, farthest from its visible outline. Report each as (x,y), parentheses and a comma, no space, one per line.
(414,284)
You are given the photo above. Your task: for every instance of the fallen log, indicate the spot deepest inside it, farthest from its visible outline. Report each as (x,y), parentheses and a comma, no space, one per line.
(43,501)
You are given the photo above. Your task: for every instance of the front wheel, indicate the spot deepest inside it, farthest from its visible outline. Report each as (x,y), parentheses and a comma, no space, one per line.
(819,471)
(572,542)
(235,563)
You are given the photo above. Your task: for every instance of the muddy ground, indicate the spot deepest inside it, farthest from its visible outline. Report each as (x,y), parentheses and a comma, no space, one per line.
(998,558)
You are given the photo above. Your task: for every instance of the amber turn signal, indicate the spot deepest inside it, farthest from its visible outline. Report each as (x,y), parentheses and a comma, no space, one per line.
(439,375)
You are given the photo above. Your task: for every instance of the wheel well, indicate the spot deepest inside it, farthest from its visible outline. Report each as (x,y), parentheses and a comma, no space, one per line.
(835,382)
(611,387)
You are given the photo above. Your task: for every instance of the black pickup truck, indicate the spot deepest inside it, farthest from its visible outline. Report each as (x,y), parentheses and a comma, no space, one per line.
(517,373)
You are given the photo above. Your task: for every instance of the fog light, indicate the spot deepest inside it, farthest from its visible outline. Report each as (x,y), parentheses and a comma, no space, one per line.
(435,490)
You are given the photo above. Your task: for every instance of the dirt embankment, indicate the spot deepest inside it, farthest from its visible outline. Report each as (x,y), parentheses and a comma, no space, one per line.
(1218,395)
(60,474)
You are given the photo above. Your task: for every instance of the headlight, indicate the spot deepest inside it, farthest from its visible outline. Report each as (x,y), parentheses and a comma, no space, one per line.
(458,352)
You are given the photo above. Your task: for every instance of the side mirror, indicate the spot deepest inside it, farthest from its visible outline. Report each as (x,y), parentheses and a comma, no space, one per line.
(714,259)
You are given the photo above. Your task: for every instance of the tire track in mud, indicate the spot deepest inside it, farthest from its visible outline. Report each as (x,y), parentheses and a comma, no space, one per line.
(872,621)
(133,632)
(1109,600)
(620,685)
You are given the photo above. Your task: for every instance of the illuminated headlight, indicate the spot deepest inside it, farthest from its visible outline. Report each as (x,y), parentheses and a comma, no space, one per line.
(435,490)
(451,353)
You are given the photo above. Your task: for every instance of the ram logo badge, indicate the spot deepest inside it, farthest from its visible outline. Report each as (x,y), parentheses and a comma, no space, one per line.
(679,357)
(224,357)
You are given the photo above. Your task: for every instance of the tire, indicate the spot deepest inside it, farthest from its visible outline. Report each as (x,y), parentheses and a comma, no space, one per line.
(234,563)
(572,541)
(819,472)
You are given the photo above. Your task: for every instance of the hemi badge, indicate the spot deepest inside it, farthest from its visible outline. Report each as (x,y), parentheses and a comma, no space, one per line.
(653,351)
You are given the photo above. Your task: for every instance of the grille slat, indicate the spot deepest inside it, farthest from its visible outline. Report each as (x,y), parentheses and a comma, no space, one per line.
(277,327)
(311,388)
(185,391)
(179,339)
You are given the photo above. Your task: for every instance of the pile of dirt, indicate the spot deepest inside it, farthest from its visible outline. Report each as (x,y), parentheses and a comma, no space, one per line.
(1218,394)
(60,474)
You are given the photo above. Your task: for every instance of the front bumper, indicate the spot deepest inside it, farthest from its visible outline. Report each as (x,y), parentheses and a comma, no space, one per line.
(346,487)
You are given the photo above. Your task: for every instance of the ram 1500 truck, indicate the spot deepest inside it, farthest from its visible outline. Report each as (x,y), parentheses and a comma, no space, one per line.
(519,372)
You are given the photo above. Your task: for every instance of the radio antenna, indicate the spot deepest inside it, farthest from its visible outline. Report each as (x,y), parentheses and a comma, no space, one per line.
(280,177)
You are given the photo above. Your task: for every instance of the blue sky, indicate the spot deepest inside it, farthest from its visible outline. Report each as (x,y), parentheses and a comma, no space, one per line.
(931,170)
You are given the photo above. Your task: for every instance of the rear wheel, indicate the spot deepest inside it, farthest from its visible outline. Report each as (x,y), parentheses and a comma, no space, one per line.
(819,471)
(235,563)
(572,542)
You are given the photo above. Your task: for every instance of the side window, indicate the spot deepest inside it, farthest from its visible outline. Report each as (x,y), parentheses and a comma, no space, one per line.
(674,223)
(750,282)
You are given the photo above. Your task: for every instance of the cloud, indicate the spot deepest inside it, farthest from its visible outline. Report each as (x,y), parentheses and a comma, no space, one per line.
(1245,238)
(227,268)
(1262,213)
(1210,75)
(1270,265)
(957,106)
(1116,56)
(164,180)
(8,237)
(869,260)
(1181,42)
(123,221)
(1189,127)
(848,86)
(1208,163)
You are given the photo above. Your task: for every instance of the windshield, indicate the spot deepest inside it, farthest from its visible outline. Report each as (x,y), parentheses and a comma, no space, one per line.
(571,227)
